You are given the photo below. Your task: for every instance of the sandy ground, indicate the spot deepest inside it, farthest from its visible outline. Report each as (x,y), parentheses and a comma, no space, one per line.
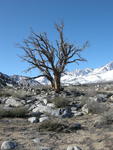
(89,138)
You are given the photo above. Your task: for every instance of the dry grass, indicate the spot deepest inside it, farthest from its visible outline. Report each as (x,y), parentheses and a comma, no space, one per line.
(95,107)
(19,112)
(20,93)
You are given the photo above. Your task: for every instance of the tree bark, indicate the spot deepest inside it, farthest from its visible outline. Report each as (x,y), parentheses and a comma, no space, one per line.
(57,83)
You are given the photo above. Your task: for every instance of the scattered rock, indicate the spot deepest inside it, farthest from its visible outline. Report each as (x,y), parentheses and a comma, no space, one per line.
(101,97)
(67,113)
(8,145)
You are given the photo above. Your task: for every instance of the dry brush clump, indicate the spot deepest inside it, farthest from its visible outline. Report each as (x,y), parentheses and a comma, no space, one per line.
(18,112)
(60,102)
(107,117)
(52,125)
(17,93)
(58,125)
(95,107)
(105,120)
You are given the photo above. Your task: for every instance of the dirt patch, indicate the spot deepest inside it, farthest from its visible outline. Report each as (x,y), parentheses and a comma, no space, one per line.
(89,138)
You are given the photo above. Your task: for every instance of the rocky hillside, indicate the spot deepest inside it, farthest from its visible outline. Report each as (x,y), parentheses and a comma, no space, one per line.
(6,80)
(78,118)
(16,80)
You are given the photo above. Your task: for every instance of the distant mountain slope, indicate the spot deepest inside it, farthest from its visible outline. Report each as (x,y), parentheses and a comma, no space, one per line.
(5,80)
(79,76)
(16,80)
(24,81)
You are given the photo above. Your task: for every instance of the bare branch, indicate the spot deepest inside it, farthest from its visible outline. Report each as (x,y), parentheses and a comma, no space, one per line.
(50,59)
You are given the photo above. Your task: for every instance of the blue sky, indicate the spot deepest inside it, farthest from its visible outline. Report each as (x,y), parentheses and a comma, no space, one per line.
(90,20)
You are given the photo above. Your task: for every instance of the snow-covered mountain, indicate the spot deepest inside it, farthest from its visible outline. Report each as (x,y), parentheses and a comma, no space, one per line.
(78,76)
(86,76)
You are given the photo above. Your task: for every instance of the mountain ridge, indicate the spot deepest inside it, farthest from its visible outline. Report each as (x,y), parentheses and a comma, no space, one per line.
(78,76)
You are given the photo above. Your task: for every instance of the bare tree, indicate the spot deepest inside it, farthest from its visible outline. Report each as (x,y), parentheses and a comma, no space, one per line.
(49,59)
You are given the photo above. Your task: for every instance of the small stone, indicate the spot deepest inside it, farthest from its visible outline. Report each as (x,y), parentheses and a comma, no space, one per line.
(76,114)
(33,119)
(85,109)
(73,147)
(51,105)
(43,118)
(45,101)
(37,140)
(75,126)
(45,148)
(111,98)
(8,145)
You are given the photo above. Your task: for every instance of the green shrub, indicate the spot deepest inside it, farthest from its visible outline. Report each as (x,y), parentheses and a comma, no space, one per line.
(60,102)
(19,112)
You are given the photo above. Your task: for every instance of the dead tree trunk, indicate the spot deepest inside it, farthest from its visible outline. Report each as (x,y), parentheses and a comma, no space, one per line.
(57,82)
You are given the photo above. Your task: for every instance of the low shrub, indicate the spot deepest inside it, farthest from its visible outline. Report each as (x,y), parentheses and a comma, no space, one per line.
(105,120)
(52,125)
(107,117)
(56,125)
(60,102)
(19,112)
(95,107)
(18,93)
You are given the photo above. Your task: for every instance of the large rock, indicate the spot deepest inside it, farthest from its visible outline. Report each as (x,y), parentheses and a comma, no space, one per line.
(14,102)
(41,108)
(8,145)
(47,109)
(73,147)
